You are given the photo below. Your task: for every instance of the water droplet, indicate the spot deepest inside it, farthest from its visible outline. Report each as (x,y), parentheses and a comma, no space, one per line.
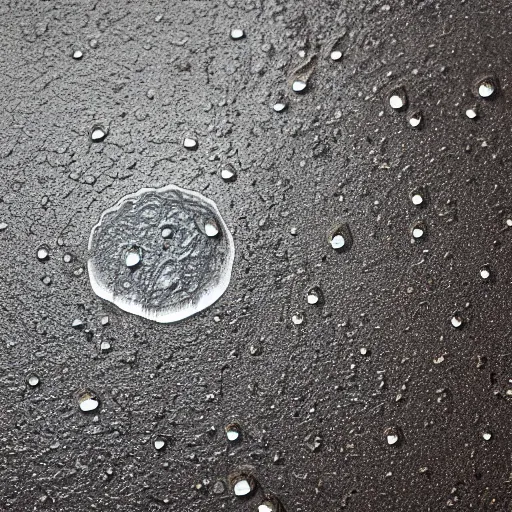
(340,238)
(77,323)
(98,133)
(233,431)
(43,254)
(210,228)
(105,346)
(279,107)
(185,274)
(418,230)
(487,436)
(237,33)
(415,119)
(77,55)
(392,439)
(485,272)
(159,443)
(416,199)
(298,318)
(314,296)
(190,143)
(88,402)
(299,86)
(133,257)
(486,88)
(457,320)
(336,55)
(270,504)
(228,174)
(337,241)
(243,483)
(392,435)
(398,99)
(471,113)
(33,380)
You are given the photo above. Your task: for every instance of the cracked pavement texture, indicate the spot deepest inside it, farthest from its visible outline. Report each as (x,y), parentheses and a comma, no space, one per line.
(314,411)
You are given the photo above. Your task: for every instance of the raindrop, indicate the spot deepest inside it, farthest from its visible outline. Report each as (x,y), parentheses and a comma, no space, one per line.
(336,55)
(337,241)
(237,33)
(415,119)
(392,439)
(185,274)
(314,296)
(167,233)
(270,504)
(340,238)
(190,143)
(242,483)
(33,380)
(133,257)
(77,323)
(105,346)
(416,199)
(485,272)
(279,107)
(418,231)
(233,432)
(456,320)
(77,55)
(486,88)
(228,174)
(159,443)
(88,401)
(299,86)
(43,254)
(471,113)
(392,435)
(298,318)
(98,133)
(242,488)
(211,229)
(398,99)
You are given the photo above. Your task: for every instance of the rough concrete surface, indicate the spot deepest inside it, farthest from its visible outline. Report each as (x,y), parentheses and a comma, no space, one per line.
(317,402)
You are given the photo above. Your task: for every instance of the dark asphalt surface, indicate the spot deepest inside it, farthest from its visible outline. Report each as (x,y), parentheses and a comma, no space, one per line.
(314,411)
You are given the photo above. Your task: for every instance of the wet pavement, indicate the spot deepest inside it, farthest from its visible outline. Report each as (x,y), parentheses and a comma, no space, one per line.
(359,155)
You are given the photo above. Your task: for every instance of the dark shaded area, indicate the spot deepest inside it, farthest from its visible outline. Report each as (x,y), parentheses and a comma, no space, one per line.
(377,357)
